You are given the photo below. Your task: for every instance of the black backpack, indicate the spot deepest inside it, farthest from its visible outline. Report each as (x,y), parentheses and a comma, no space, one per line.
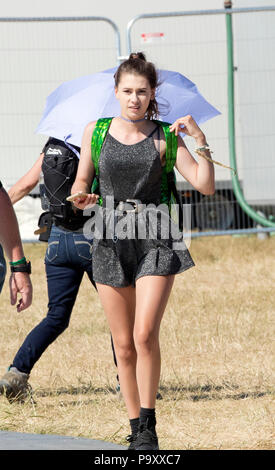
(59,169)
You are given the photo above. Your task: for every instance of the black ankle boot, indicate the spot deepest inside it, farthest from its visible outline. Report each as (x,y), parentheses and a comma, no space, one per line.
(147,438)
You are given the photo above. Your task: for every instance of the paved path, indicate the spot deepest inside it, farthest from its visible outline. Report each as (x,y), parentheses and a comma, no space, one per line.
(22,441)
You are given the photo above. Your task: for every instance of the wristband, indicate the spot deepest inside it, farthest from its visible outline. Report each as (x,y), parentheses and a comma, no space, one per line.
(20,261)
(22,268)
(203,148)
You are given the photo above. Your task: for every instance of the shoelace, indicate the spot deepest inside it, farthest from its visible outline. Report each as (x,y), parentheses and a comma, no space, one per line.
(131,437)
(30,392)
(145,436)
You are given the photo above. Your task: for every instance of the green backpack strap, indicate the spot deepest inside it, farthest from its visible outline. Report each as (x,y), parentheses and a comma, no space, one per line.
(169,193)
(168,174)
(171,145)
(101,130)
(99,134)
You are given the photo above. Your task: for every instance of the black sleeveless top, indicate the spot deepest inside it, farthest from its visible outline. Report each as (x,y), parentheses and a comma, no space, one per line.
(130,171)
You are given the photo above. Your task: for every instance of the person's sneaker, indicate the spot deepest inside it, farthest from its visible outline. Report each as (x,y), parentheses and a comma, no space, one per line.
(118,392)
(14,385)
(132,439)
(146,439)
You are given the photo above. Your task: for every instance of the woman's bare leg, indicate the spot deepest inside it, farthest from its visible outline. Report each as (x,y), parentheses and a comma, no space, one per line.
(152,293)
(119,307)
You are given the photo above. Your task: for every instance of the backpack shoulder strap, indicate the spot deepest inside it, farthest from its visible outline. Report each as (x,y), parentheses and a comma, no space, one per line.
(101,129)
(169,194)
(99,134)
(171,145)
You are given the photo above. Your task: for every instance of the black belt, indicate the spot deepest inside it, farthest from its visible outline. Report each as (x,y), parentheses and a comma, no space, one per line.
(130,205)
(71,225)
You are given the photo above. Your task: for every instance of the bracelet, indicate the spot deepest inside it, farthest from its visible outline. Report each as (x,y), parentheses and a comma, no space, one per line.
(200,151)
(203,148)
(22,268)
(20,261)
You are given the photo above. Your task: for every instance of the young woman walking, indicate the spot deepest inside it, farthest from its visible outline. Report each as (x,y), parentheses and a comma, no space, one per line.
(134,276)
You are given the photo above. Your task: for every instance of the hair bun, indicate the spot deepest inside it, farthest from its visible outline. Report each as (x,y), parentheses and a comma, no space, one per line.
(137,55)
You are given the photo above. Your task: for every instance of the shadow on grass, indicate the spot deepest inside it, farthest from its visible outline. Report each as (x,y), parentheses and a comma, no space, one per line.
(169,392)
(80,390)
(210,392)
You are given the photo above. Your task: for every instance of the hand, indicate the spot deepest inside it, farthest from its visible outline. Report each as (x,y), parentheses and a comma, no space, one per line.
(87,202)
(188,126)
(20,283)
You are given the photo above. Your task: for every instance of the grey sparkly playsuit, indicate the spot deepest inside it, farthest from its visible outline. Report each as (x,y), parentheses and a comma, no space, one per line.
(133,172)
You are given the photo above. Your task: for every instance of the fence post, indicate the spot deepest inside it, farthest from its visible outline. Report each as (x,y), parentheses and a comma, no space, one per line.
(231,122)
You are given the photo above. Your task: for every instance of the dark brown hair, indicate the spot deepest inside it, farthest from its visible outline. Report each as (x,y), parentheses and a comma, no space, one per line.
(138,64)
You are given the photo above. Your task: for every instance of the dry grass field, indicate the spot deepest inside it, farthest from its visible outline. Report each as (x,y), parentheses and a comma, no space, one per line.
(217,340)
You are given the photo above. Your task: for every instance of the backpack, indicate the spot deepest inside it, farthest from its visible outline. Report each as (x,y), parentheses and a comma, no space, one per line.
(59,169)
(169,193)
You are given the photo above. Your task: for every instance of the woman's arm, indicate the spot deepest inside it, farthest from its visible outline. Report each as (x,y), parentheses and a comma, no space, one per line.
(85,171)
(200,174)
(20,283)
(27,182)
(9,230)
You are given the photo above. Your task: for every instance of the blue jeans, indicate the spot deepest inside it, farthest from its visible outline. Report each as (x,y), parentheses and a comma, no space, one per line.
(68,256)
(3,268)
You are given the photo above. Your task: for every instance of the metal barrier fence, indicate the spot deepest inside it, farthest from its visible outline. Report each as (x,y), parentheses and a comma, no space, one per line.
(201,50)
(37,55)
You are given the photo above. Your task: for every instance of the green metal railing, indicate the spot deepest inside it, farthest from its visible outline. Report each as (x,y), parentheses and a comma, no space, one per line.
(231,125)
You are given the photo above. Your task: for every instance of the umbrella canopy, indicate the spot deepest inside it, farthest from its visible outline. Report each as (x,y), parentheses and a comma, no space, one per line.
(75,103)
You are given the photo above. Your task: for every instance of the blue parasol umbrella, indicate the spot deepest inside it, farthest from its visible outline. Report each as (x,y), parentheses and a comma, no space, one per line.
(73,104)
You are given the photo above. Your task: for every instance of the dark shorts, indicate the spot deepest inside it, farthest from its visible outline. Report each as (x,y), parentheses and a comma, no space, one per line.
(121,263)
